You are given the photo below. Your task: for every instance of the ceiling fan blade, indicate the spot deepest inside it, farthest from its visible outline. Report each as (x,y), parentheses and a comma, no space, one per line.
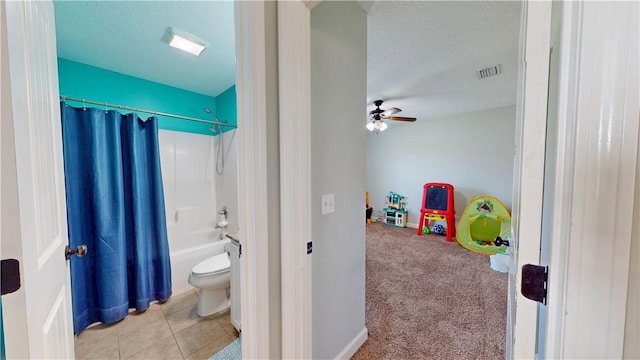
(390,111)
(402,118)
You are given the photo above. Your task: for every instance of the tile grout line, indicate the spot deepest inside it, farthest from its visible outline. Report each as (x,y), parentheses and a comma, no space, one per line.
(118,340)
(172,333)
(201,347)
(224,329)
(218,321)
(199,320)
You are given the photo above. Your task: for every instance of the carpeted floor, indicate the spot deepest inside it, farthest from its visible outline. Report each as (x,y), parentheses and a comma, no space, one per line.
(430,299)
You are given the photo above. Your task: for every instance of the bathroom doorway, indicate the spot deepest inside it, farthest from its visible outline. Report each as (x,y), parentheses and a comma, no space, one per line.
(105,85)
(199,164)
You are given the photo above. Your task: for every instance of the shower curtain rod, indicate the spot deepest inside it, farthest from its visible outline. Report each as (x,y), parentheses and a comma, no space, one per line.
(68,98)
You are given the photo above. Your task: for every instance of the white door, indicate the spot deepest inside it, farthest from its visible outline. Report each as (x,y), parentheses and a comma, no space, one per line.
(39,212)
(528,180)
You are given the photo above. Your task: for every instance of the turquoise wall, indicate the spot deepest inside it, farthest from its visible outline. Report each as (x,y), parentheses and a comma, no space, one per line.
(92,83)
(226,106)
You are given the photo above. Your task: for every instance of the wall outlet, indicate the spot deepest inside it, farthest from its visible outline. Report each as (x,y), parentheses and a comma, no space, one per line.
(328,204)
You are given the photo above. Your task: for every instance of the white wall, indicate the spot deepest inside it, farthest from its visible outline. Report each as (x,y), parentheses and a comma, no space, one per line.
(471,151)
(188,177)
(190,182)
(338,83)
(226,185)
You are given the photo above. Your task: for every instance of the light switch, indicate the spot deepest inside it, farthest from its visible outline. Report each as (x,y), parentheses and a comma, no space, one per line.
(328,204)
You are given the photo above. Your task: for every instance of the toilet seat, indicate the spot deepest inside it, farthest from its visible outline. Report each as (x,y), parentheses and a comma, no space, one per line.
(216,264)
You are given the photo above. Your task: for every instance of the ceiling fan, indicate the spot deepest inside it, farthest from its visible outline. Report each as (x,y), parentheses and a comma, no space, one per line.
(377,117)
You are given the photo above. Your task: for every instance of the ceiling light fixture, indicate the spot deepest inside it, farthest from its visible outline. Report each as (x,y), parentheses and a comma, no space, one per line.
(186,42)
(376,124)
(377,117)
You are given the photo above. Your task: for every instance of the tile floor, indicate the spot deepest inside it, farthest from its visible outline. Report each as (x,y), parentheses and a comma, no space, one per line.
(172,330)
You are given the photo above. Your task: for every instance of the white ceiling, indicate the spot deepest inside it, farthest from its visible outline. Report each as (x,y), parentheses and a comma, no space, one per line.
(422,55)
(129,37)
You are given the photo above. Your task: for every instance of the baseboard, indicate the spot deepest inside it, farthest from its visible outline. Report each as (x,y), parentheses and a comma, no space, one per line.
(412,225)
(354,345)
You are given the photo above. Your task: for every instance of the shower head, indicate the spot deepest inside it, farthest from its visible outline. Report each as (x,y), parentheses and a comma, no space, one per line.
(213,128)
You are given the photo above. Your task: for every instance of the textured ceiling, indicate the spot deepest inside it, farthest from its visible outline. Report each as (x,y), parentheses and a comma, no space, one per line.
(129,37)
(423,55)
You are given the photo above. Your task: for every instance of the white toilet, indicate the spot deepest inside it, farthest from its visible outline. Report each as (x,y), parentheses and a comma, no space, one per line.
(212,276)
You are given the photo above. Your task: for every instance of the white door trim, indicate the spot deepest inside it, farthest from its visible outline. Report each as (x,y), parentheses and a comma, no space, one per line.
(294,60)
(559,252)
(593,209)
(531,112)
(252,177)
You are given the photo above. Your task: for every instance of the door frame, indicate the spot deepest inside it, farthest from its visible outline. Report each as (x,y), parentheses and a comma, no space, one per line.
(253,205)
(595,92)
(528,177)
(252,164)
(293,103)
(597,97)
(294,81)
(521,337)
(294,94)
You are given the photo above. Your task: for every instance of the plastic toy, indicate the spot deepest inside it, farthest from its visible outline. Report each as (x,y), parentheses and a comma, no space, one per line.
(438,229)
(368,209)
(483,225)
(437,205)
(395,213)
(395,201)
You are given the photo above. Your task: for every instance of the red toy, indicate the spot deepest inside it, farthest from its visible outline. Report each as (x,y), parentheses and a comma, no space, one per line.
(437,204)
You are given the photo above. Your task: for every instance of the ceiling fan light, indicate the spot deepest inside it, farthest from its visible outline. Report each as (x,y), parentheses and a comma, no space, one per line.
(383,125)
(370,126)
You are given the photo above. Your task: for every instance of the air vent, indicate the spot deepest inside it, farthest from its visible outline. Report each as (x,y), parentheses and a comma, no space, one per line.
(490,71)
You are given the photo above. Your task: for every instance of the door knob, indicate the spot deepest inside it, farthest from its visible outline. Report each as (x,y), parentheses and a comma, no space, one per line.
(81,251)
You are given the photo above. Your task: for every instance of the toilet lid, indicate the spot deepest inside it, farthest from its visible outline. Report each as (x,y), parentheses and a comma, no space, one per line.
(212,265)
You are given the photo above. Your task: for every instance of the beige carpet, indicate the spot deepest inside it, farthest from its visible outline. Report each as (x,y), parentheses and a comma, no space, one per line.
(430,299)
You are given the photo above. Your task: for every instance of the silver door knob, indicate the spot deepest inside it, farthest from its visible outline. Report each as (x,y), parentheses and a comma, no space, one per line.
(80,251)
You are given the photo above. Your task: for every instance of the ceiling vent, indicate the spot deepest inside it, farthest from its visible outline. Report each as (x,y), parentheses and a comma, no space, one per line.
(490,71)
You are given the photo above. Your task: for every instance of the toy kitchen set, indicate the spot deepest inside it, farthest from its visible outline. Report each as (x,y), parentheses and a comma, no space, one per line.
(395,213)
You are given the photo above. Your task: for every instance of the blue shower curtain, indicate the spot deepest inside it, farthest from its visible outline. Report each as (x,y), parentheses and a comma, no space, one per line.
(115,205)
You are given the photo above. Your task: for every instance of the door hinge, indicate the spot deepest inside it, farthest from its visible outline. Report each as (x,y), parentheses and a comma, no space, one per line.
(534,282)
(309,247)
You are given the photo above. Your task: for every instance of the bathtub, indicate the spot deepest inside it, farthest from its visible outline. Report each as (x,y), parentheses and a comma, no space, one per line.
(183,261)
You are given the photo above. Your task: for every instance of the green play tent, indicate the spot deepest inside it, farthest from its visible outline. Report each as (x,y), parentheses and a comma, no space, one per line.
(482,221)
